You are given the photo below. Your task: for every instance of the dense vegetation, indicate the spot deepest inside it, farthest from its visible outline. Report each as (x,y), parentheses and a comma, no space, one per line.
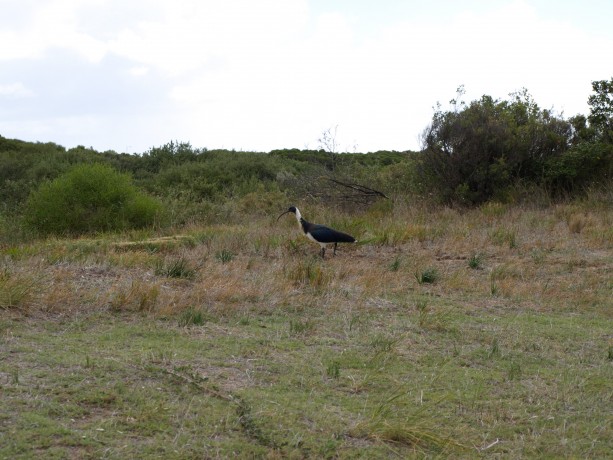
(473,152)
(89,198)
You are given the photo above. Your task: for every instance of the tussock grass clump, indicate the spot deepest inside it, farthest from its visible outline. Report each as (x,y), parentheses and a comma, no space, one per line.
(309,272)
(15,290)
(175,268)
(192,317)
(301,327)
(333,369)
(224,256)
(476,261)
(415,428)
(137,296)
(427,276)
(505,236)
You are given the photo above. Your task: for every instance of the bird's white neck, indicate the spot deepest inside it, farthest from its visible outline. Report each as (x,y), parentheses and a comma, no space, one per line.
(298,215)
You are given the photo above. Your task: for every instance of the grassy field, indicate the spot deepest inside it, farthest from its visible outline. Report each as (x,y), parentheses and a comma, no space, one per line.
(442,333)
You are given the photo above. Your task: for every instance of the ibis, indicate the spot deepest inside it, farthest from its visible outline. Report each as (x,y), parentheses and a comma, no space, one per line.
(320,234)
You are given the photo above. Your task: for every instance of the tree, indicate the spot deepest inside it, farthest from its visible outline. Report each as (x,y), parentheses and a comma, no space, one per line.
(474,151)
(601,109)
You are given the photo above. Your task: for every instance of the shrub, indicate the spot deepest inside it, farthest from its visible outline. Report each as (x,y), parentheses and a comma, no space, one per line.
(474,151)
(580,166)
(89,198)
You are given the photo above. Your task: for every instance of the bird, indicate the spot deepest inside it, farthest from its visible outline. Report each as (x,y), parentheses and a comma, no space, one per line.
(319,233)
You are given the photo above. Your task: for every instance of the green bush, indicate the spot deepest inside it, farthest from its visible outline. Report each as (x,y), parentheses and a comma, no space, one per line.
(580,166)
(89,198)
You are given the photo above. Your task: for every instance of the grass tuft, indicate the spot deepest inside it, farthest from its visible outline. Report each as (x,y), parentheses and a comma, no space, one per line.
(310,273)
(395,265)
(138,296)
(430,319)
(333,370)
(177,268)
(192,317)
(475,261)
(15,290)
(301,327)
(429,275)
(224,256)
(415,428)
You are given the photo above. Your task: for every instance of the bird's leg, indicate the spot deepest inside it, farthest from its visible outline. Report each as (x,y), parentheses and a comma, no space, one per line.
(323,252)
(335,244)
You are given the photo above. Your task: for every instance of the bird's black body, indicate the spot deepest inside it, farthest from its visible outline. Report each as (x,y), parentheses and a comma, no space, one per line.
(319,233)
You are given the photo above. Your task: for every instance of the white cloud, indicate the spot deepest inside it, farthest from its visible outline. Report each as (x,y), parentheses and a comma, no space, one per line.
(15,91)
(185,36)
(139,71)
(51,24)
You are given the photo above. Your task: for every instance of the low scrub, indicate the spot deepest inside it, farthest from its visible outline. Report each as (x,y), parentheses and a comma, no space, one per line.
(89,198)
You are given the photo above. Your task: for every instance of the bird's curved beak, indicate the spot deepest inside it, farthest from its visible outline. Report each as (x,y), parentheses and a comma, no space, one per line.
(286,212)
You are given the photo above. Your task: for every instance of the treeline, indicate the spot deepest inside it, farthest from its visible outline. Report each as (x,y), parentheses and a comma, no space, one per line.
(190,184)
(472,152)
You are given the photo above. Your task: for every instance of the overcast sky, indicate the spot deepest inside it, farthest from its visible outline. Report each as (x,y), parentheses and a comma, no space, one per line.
(127,75)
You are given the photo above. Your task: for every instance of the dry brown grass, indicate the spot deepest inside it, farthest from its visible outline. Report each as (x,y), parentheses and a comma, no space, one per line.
(544,259)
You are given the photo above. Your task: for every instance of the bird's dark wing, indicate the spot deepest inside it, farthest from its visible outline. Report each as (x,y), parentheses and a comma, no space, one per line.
(324,234)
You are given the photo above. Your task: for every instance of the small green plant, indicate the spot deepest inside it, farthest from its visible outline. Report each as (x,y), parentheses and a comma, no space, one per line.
(422,309)
(429,275)
(15,376)
(514,371)
(192,317)
(224,256)
(610,353)
(301,327)
(494,349)
(333,370)
(244,321)
(381,343)
(395,265)
(178,268)
(475,261)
